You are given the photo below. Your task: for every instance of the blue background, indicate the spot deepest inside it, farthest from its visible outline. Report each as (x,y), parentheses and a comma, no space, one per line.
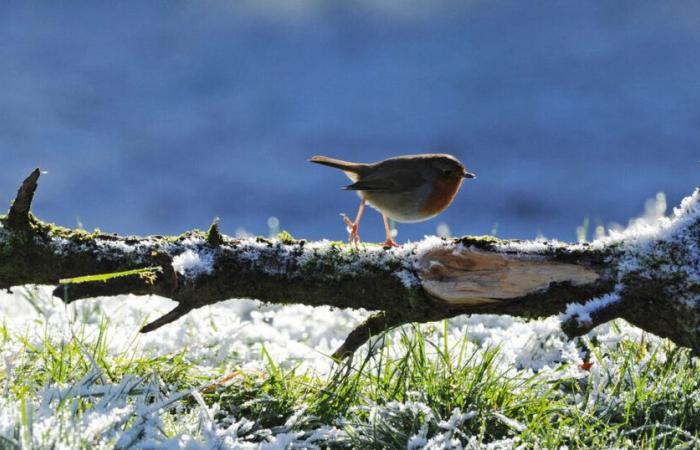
(154,117)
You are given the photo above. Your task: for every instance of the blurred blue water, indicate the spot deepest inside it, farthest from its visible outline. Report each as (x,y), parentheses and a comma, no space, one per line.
(154,117)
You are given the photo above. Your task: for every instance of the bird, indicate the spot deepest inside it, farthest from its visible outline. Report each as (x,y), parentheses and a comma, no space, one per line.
(407,188)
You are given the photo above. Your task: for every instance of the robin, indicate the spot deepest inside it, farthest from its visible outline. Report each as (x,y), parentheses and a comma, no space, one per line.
(409,188)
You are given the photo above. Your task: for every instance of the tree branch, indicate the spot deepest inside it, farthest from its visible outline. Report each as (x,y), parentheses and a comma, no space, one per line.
(375,325)
(177,312)
(650,277)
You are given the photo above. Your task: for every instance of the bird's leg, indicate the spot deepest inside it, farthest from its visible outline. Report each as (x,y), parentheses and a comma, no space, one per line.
(390,242)
(354,238)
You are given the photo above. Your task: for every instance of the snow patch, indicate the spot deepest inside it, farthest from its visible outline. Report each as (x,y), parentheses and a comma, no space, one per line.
(116,246)
(193,264)
(668,244)
(582,312)
(296,336)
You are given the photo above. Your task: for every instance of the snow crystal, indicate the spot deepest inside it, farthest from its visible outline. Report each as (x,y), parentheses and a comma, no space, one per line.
(114,245)
(60,245)
(410,255)
(192,263)
(648,229)
(646,244)
(428,244)
(511,423)
(408,278)
(644,247)
(582,312)
(193,241)
(530,247)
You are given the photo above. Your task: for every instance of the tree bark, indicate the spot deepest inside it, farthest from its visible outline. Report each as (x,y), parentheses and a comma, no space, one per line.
(650,276)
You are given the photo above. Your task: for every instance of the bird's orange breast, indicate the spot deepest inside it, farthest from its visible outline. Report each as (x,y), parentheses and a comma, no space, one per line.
(444,191)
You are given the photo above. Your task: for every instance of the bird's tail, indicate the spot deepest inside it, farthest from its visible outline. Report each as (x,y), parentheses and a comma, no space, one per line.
(345,166)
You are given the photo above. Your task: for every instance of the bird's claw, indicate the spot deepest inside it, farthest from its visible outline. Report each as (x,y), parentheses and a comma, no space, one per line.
(353,237)
(390,243)
(347,221)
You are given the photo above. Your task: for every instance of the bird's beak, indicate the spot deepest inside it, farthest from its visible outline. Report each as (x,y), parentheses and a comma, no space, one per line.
(468,175)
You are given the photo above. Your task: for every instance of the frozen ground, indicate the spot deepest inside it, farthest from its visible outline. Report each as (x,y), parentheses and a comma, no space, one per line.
(225,338)
(240,327)
(154,117)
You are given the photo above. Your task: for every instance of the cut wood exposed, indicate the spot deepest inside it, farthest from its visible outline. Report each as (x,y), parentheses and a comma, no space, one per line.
(465,276)
(650,276)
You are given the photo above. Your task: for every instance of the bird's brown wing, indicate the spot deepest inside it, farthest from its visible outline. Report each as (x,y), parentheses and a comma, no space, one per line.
(394,179)
(371,186)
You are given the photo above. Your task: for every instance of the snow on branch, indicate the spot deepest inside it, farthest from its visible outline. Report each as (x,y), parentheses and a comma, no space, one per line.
(648,274)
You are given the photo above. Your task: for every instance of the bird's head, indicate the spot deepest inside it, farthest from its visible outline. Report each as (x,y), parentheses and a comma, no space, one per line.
(450,167)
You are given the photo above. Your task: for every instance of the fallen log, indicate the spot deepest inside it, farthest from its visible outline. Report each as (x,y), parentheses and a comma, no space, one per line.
(649,276)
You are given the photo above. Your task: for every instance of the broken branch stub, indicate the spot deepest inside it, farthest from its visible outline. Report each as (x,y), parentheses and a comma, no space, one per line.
(18,216)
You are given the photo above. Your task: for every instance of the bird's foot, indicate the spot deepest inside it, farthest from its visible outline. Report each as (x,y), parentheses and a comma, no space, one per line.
(353,236)
(390,243)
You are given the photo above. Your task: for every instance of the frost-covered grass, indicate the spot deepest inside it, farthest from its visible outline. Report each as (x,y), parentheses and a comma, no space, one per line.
(239,374)
(242,375)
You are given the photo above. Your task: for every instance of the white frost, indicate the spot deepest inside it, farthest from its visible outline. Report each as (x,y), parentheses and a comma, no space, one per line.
(234,333)
(582,312)
(192,263)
